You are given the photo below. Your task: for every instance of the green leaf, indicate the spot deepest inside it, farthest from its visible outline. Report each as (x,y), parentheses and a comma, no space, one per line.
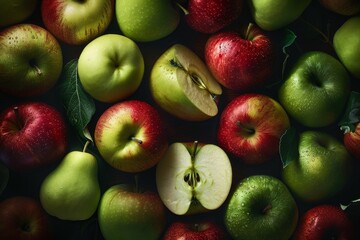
(352,113)
(80,107)
(288,40)
(288,147)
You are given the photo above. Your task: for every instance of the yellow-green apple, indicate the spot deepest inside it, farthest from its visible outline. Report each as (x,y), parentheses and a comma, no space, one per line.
(16,11)
(22,218)
(111,67)
(322,168)
(182,85)
(250,127)
(347,45)
(130,136)
(316,90)
(126,213)
(241,61)
(144,21)
(193,177)
(32,134)
(351,141)
(261,207)
(275,14)
(30,60)
(325,221)
(77,22)
(209,16)
(343,7)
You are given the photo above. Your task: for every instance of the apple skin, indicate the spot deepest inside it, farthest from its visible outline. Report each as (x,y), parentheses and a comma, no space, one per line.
(77,22)
(250,127)
(32,136)
(241,61)
(124,120)
(325,221)
(125,213)
(16,11)
(22,218)
(351,141)
(30,62)
(210,16)
(343,7)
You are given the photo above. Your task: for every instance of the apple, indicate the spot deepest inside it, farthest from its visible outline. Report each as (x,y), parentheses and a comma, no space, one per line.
(126,213)
(22,218)
(77,22)
(32,135)
(316,90)
(181,84)
(322,169)
(324,221)
(205,229)
(261,207)
(30,61)
(130,136)
(342,7)
(16,11)
(347,45)
(111,67)
(193,177)
(241,61)
(209,16)
(351,141)
(250,127)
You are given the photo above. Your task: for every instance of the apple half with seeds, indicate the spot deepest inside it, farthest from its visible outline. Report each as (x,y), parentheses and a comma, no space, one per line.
(193,177)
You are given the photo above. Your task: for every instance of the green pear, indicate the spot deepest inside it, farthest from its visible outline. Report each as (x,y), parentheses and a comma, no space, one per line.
(72,191)
(146,20)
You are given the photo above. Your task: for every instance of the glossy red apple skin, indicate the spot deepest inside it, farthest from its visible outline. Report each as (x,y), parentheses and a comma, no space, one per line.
(251,126)
(241,62)
(32,136)
(22,218)
(325,222)
(352,141)
(210,16)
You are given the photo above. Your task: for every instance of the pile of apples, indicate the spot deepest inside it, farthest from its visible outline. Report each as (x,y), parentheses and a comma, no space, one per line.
(179,119)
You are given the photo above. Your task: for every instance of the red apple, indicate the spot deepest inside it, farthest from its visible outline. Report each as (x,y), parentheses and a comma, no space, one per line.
(241,61)
(352,141)
(22,218)
(32,134)
(209,16)
(251,126)
(203,230)
(325,222)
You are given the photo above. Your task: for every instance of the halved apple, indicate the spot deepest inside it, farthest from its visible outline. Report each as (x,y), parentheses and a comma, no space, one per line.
(193,177)
(182,85)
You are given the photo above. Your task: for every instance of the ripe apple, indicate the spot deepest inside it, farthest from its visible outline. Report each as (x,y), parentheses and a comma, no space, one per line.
(192,177)
(209,16)
(182,85)
(126,213)
(347,45)
(250,127)
(77,22)
(22,218)
(351,141)
(324,221)
(272,15)
(241,61)
(343,7)
(261,207)
(32,134)
(30,60)
(16,11)
(322,169)
(131,136)
(111,67)
(316,90)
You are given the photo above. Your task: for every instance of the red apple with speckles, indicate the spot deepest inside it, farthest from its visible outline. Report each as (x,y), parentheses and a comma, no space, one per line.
(352,141)
(241,61)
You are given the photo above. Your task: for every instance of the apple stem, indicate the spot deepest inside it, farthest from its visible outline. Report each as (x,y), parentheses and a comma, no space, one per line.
(244,128)
(195,149)
(185,11)
(136,140)
(267,208)
(38,70)
(85,146)
(325,37)
(17,117)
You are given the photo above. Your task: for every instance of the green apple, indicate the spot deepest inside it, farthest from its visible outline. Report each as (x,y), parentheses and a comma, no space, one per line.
(261,207)
(111,67)
(316,90)
(16,11)
(193,177)
(146,20)
(322,168)
(347,45)
(182,85)
(274,14)
(126,213)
